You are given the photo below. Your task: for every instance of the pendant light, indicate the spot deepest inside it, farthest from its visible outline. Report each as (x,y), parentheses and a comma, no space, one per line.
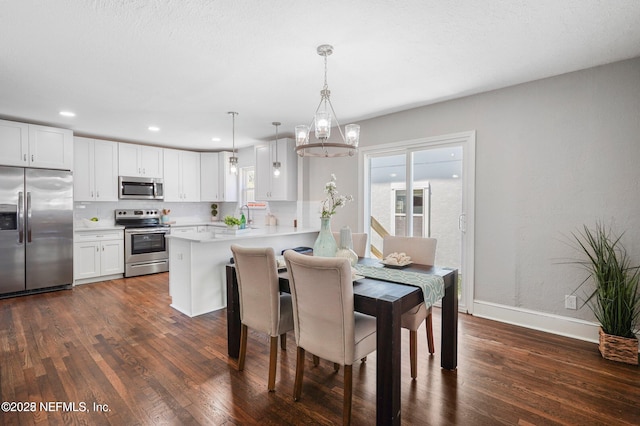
(233,160)
(322,119)
(276,164)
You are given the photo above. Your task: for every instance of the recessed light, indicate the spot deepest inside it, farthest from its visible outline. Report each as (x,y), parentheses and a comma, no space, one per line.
(455,176)
(216,139)
(393,175)
(154,129)
(67,113)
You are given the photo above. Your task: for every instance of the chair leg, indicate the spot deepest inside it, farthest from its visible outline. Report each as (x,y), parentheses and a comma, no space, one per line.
(430,334)
(283,341)
(336,367)
(348,386)
(297,384)
(243,347)
(413,352)
(273,360)
(316,360)
(363,359)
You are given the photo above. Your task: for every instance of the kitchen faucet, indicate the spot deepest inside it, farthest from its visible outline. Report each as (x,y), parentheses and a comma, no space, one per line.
(249,222)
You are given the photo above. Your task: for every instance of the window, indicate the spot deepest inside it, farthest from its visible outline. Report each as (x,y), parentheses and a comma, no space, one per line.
(248,189)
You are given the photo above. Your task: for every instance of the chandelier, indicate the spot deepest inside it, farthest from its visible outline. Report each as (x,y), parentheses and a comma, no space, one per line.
(233,160)
(322,120)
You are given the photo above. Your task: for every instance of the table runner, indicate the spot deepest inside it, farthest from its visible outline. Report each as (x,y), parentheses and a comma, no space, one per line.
(432,285)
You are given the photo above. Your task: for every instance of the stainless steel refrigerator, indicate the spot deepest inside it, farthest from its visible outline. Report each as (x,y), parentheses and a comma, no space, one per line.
(36,229)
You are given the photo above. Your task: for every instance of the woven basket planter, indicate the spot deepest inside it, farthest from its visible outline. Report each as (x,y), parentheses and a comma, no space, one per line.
(616,348)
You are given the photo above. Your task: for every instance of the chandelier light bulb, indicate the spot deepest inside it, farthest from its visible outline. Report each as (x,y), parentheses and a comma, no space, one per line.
(302,134)
(353,134)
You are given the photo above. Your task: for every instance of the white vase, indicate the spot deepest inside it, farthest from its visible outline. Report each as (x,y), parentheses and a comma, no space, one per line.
(345,246)
(325,244)
(347,253)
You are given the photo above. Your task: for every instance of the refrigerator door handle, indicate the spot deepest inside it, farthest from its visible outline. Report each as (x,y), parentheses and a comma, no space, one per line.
(28,217)
(20,217)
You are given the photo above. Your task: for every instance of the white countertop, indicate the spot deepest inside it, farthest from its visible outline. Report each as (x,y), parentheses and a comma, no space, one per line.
(221,235)
(180,223)
(98,228)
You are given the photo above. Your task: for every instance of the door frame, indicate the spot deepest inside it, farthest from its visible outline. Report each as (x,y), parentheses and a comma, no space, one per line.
(466,140)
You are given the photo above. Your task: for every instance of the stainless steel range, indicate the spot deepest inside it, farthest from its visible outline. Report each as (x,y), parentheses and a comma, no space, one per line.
(145,248)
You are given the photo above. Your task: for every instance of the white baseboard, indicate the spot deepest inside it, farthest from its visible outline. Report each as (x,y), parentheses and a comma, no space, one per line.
(550,323)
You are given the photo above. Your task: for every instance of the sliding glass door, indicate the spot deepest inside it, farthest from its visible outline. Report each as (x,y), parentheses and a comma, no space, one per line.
(423,190)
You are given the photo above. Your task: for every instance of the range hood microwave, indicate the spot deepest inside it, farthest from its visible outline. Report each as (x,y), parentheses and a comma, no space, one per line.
(138,188)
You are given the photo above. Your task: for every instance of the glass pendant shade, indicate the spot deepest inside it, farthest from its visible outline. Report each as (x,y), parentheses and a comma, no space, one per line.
(233,160)
(276,168)
(323,125)
(233,165)
(302,134)
(352,132)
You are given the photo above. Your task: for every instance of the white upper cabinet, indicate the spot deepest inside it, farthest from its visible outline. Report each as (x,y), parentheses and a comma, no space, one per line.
(210,177)
(140,160)
(217,183)
(181,175)
(31,145)
(276,188)
(95,170)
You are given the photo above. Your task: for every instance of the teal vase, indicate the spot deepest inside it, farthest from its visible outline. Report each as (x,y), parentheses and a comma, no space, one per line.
(325,244)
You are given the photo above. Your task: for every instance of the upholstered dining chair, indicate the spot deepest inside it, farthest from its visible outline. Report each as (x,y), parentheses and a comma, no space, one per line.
(262,307)
(324,319)
(359,242)
(423,252)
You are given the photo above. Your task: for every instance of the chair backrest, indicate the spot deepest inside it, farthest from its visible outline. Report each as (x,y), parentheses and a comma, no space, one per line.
(322,297)
(421,250)
(258,287)
(359,242)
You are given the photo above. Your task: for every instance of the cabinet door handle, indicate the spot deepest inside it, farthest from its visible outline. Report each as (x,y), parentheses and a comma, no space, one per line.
(32,157)
(91,194)
(24,157)
(97,249)
(97,194)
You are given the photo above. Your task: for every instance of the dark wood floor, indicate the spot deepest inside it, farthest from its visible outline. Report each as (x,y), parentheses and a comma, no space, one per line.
(119,343)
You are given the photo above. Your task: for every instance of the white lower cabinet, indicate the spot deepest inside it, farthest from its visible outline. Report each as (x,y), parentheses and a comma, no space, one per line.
(97,254)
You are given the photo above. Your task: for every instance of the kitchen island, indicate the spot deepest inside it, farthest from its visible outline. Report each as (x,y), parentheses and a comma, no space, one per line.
(197,277)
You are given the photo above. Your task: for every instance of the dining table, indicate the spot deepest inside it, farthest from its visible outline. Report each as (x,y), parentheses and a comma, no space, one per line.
(387,301)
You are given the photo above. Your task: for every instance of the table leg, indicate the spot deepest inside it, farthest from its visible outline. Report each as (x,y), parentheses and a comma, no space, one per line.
(388,353)
(233,314)
(449,337)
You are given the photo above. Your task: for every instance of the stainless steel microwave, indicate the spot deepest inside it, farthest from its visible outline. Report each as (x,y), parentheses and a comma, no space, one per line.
(139,188)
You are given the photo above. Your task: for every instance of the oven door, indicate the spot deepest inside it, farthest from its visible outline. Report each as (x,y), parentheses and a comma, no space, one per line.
(143,245)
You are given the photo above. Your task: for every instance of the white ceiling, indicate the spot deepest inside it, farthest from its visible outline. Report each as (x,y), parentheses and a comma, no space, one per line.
(124,65)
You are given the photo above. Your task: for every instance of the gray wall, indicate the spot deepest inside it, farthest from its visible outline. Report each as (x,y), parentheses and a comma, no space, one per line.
(551,155)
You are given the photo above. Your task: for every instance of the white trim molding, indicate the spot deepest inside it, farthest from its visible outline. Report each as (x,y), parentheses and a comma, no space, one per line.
(550,323)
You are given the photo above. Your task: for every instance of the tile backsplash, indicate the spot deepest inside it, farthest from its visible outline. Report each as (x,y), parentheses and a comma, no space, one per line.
(285,212)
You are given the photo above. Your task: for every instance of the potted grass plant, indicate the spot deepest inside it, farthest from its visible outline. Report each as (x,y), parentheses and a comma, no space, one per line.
(613,293)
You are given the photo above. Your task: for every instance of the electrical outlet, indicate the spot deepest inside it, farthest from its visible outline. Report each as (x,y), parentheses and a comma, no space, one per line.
(570,302)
